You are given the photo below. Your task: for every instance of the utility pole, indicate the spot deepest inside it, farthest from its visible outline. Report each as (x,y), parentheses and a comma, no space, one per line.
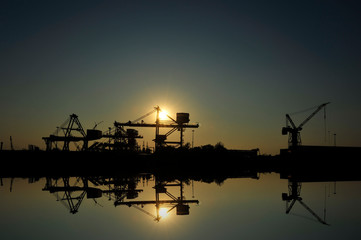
(11,143)
(334,139)
(192,138)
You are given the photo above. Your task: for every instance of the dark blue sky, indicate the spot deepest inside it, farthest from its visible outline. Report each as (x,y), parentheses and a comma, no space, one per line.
(237,67)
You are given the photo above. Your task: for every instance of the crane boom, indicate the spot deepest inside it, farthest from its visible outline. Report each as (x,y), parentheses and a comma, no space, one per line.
(313,114)
(144,116)
(289,119)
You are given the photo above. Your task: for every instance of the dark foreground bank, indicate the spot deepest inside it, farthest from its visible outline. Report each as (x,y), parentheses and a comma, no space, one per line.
(329,160)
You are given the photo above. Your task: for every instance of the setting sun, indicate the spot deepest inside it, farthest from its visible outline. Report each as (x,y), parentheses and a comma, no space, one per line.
(163,115)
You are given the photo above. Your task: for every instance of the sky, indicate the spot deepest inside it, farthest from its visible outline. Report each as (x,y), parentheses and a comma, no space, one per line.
(236,66)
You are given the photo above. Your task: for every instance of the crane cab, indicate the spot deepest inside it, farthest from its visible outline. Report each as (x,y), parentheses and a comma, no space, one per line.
(182,209)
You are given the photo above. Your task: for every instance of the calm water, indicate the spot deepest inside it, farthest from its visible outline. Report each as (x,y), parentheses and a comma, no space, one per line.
(249,208)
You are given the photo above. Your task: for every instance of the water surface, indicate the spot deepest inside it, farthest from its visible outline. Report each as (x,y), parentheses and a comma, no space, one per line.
(249,208)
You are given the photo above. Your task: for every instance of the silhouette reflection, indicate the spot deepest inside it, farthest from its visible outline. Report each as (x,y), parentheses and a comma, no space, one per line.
(294,189)
(119,188)
(168,192)
(179,203)
(71,191)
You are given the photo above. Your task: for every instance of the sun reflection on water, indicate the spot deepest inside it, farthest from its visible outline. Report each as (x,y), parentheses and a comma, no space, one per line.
(163,212)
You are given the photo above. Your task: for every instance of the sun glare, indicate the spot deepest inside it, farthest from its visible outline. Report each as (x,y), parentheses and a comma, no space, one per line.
(163,115)
(163,212)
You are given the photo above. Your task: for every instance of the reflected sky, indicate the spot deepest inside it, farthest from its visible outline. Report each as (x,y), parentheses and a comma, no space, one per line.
(236,208)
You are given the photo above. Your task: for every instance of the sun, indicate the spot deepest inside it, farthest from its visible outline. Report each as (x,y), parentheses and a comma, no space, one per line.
(163,115)
(163,212)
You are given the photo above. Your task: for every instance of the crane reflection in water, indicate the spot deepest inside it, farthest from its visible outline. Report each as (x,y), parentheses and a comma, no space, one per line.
(238,206)
(71,191)
(168,193)
(179,203)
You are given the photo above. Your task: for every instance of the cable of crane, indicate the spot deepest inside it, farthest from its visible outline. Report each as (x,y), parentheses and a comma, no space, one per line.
(304,110)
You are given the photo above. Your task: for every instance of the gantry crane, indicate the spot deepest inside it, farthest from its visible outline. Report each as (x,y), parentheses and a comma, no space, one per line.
(180,123)
(67,129)
(294,137)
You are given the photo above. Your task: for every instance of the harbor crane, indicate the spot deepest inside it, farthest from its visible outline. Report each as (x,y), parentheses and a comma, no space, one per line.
(66,130)
(294,137)
(180,123)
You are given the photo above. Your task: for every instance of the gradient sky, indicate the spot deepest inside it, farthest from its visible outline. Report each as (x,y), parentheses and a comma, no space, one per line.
(237,67)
